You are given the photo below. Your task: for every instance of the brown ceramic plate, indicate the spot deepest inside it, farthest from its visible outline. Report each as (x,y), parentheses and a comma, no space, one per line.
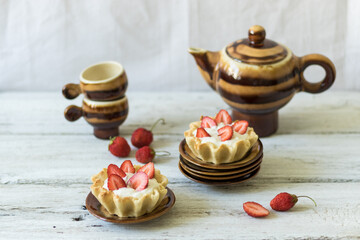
(211,172)
(221,176)
(252,156)
(218,183)
(96,209)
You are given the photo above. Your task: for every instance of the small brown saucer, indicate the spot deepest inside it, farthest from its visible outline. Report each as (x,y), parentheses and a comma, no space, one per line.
(219,178)
(221,175)
(212,172)
(96,209)
(219,182)
(251,157)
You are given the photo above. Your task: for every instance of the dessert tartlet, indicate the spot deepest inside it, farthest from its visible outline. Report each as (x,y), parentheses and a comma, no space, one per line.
(129,191)
(220,140)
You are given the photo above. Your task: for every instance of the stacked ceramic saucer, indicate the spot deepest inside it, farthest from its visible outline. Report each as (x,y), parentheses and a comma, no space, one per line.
(232,173)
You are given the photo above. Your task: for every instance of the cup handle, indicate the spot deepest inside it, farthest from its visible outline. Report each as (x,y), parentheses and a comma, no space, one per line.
(73,113)
(71,90)
(324,62)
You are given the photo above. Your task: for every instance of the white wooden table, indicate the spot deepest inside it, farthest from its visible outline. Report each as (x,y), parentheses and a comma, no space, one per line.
(46,164)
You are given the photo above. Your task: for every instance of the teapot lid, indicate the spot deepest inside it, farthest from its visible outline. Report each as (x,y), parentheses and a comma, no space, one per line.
(256,49)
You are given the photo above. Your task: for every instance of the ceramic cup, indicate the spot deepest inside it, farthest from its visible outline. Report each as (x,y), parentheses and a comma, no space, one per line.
(101,82)
(104,116)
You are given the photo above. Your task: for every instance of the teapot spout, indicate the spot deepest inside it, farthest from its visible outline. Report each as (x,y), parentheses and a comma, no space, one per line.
(206,61)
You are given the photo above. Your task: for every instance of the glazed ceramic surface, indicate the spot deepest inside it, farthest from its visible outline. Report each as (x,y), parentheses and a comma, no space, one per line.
(104,116)
(218,182)
(255,152)
(219,177)
(210,172)
(102,81)
(257,76)
(220,174)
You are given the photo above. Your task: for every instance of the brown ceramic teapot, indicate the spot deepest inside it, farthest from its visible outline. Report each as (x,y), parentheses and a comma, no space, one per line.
(257,76)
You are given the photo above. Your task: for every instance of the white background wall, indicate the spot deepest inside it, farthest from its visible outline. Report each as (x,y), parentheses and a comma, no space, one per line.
(46,44)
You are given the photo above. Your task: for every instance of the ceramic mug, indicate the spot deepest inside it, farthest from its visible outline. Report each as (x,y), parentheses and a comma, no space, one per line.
(104,116)
(102,82)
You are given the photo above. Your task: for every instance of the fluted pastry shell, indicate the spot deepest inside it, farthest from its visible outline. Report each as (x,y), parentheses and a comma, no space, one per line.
(128,206)
(224,153)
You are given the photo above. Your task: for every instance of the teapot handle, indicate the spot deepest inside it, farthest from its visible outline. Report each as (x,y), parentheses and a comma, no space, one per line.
(324,62)
(73,113)
(71,90)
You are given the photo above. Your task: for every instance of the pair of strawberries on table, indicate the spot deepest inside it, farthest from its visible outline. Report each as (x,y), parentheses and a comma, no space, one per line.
(141,138)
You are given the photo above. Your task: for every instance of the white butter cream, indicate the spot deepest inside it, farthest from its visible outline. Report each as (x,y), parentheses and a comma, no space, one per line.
(129,191)
(215,138)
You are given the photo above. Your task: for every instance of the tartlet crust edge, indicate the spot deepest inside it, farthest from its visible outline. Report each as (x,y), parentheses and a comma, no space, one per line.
(128,206)
(209,152)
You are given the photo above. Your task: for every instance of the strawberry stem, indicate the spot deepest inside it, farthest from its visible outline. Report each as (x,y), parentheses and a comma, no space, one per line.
(165,153)
(111,141)
(308,198)
(157,121)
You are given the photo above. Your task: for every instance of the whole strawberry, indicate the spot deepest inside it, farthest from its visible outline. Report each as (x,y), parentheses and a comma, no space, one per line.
(119,147)
(142,137)
(145,154)
(285,201)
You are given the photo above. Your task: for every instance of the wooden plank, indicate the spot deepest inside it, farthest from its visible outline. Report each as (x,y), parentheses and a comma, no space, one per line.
(71,158)
(46,164)
(200,212)
(42,113)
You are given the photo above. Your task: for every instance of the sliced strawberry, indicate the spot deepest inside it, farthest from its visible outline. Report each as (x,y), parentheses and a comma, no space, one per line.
(115,182)
(201,132)
(113,169)
(149,169)
(225,133)
(139,181)
(127,167)
(207,122)
(241,126)
(223,116)
(254,209)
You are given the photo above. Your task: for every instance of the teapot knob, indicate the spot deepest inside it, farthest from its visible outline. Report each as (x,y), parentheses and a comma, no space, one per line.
(257,36)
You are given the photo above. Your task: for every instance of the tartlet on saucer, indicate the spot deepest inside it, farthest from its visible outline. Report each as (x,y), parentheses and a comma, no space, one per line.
(126,202)
(209,141)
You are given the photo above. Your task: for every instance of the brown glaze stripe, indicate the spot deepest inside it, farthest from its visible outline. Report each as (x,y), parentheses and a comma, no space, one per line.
(105,109)
(267,43)
(243,51)
(118,82)
(257,99)
(258,53)
(259,90)
(107,124)
(107,116)
(119,120)
(107,94)
(206,76)
(284,67)
(249,81)
(259,108)
(273,57)
(205,67)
